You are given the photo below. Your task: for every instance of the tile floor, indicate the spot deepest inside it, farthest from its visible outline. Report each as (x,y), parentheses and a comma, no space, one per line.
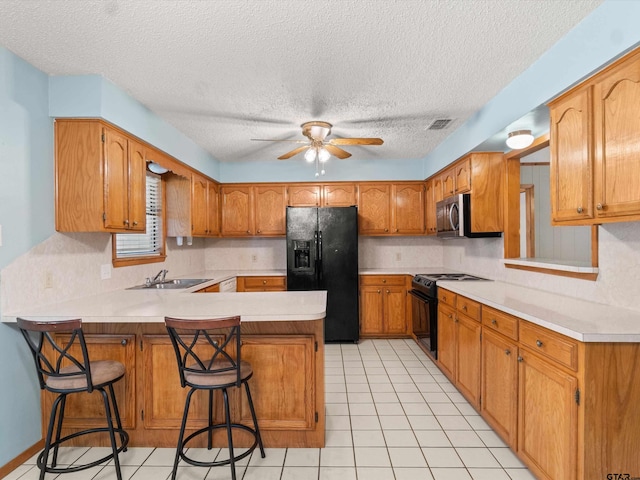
(391,415)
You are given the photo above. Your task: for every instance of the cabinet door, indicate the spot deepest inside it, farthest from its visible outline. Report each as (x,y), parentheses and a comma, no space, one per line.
(395,310)
(463,176)
(548,418)
(116,173)
(164,398)
(447,340)
(137,197)
(468,359)
(438,189)
(430,208)
(343,195)
(499,385)
(237,213)
(617,141)
(85,410)
(408,208)
(270,208)
(371,310)
(571,158)
(213,212)
(304,196)
(199,208)
(374,201)
(283,382)
(448,183)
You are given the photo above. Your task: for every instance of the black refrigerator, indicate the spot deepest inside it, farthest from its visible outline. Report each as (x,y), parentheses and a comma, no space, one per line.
(322,254)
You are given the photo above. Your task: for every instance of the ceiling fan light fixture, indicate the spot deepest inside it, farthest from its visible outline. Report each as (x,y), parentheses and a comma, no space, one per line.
(323,155)
(310,155)
(519,139)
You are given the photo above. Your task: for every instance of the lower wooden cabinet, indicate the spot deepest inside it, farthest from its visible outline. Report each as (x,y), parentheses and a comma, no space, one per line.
(499,385)
(84,410)
(447,344)
(287,386)
(547,418)
(262,284)
(383,306)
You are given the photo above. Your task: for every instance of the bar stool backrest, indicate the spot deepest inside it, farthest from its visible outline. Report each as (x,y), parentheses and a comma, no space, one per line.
(197,349)
(54,359)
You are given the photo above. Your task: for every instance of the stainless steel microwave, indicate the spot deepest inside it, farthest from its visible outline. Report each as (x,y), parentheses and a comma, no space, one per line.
(453,216)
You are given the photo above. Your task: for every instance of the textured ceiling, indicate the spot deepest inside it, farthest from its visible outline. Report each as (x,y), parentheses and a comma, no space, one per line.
(224,72)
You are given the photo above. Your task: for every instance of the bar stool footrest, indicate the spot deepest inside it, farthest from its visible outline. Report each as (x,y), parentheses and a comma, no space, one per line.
(119,432)
(227,461)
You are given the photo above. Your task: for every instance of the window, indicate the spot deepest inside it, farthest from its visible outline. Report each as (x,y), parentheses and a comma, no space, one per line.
(148,247)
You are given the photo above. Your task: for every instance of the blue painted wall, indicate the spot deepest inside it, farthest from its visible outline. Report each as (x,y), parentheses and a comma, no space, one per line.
(609,31)
(27,218)
(28,97)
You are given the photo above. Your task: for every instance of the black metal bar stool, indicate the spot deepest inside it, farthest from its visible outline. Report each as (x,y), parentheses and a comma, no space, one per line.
(211,368)
(63,373)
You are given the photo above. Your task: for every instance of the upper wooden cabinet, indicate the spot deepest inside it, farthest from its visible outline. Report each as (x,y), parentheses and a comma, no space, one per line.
(391,208)
(100,178)
(595,148)
(192,206)
(482,174)
(322,195)
(430,208)
(253,210)
(571,171)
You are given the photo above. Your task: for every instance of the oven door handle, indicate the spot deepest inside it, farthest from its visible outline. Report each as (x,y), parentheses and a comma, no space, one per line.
(420,296)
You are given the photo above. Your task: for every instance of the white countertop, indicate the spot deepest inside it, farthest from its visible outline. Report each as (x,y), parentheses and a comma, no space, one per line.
(575,318)
(152,305)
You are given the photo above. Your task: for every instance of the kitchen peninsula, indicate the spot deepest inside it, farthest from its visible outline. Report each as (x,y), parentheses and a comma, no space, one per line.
(282,337)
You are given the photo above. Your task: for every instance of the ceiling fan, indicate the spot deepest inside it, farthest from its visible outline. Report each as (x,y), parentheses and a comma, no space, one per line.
(317,147)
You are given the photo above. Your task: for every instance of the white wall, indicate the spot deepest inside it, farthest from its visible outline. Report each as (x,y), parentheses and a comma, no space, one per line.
(373,252)
(618,282)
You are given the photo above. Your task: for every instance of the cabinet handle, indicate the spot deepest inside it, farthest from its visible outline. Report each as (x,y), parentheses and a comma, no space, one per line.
(444,298)
(123,342)
(493,321)
(538,343)
(396,230)
(264,282)
(388,292)
(386,229)
(450,316)
(384,280)
(126,222)
(507,352)
(455,320)
(249,232)
(520,359)
(579,209)
(259,231)
(378,290)
(464,308)
(599,206)
(135,223)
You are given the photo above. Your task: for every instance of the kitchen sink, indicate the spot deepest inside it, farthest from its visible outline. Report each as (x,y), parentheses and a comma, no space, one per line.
(171,284)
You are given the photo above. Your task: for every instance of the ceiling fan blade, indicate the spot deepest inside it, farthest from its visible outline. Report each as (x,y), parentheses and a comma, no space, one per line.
(337,152)
(272,140)
(293,152)
(356,141)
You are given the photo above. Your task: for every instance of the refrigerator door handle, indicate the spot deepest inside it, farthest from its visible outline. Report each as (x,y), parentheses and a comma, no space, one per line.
(319,269)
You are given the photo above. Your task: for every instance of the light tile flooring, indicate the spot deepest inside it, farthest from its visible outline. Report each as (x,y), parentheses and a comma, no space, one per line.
(391,415)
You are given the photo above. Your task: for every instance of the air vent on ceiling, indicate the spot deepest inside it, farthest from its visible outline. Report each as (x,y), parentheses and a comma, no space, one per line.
(440,124)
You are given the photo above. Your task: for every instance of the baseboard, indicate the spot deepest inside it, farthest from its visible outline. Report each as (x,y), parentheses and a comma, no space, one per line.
(20,459)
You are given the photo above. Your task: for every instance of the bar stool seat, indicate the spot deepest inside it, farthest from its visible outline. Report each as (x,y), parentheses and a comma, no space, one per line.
(214,370)
(63,373)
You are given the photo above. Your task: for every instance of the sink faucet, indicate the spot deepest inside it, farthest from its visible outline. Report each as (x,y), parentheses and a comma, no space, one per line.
(159,278)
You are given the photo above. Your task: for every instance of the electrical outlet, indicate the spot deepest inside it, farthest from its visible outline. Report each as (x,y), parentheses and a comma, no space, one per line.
(105,271)
(398,256)
(254,258)
(48,279)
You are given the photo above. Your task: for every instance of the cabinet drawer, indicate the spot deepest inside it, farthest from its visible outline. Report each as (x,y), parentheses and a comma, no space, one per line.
(210,289)
(468,307)
(265,282)
(557,347)
(382,280)
(445,296)
(500,322)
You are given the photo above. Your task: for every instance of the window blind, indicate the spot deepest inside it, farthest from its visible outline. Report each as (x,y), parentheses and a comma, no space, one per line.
(149,243)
